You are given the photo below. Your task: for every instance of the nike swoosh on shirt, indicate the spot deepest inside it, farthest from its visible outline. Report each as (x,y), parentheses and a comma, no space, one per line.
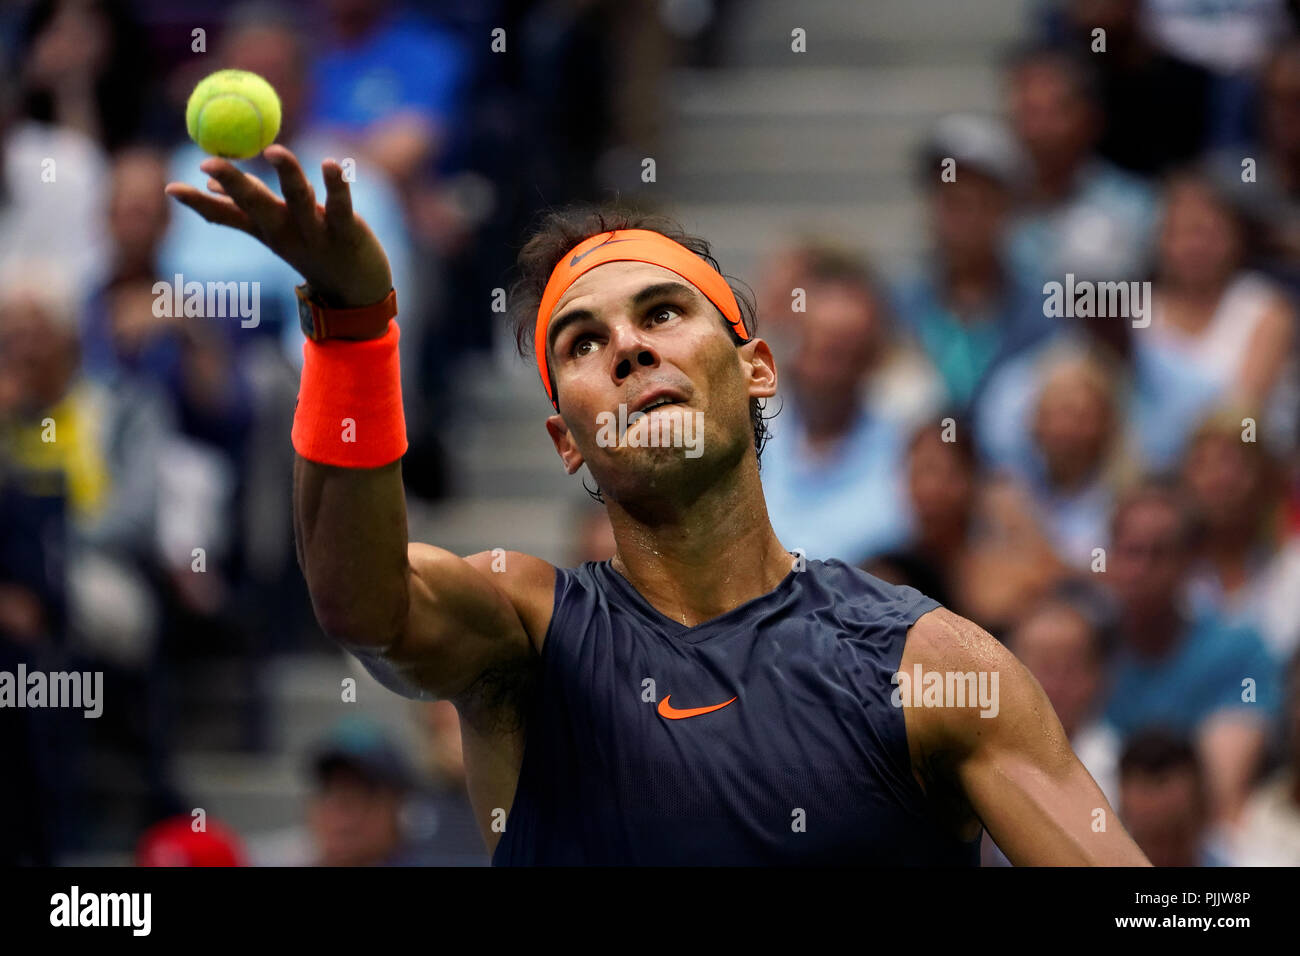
(673,713)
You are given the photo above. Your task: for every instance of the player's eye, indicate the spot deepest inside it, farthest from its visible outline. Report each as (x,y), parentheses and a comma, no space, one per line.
(579,347)
(663,313)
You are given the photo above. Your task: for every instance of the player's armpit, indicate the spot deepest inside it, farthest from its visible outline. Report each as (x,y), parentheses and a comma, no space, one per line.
(469,616)
(1015,766)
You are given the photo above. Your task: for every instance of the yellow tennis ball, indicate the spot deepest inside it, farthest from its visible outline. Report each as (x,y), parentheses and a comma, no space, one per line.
(233,113)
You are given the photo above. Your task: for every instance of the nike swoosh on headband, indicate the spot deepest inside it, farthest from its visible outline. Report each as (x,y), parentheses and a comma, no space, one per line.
(576,259)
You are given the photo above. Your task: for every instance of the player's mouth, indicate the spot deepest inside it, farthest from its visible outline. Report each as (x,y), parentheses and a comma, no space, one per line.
(648,403)
(658,398)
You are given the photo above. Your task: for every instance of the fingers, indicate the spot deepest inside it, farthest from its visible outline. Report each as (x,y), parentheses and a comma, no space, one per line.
(249,193)
(297,192)
(338,197)
(219,209)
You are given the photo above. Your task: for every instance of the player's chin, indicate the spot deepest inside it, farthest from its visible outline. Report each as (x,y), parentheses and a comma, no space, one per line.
(629,472)
(632,460)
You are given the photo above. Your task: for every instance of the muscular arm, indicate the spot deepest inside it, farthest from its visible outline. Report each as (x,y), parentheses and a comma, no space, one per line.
(350,531)
(1015,769)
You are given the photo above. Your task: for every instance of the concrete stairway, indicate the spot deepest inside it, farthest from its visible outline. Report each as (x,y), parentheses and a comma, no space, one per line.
(780,141)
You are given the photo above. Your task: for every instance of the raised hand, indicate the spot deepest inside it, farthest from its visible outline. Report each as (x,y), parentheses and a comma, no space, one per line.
(330,245)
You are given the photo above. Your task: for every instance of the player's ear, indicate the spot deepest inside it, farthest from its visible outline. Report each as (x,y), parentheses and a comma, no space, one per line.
(564,444)
(760,365)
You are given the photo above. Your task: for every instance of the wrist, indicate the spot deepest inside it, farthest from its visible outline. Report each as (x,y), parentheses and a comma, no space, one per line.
(349,410)
(329,316)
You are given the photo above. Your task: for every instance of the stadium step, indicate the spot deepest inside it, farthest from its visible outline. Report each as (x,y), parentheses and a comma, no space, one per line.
(850,32)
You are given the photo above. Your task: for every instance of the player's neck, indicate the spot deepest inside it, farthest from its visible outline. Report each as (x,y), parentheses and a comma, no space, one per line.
(715,555)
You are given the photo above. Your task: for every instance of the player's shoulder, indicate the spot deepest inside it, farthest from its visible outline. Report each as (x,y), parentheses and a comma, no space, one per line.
(945,640)
(948,650)
(846,584)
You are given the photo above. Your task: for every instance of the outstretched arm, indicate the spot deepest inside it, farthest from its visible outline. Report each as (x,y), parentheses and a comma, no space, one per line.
(1015,767)
(439,620)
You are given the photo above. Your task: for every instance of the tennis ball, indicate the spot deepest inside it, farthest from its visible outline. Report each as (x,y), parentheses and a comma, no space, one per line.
(233,113)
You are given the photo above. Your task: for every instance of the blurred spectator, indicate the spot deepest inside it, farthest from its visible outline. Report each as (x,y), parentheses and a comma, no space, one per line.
(1163,398)
(903,385)
(93,452)
(391,88)
(1077,213)
(1270,824)
(369,808)
(964,305)
(40,760)
(1163,801)
(84,68)
(355,814)
(1154,104)
(832,470)
(1209,313)
(51,193)
(138,213)
(175,842)
(782,272)
(1079,460)
(1230,39)
(121,331)
(594,538)
(452,832)
(125,336)
(976,548)
(1265,180)
(1246,569)
(1197,676)
(106,442)
(1064,651)
(388,82)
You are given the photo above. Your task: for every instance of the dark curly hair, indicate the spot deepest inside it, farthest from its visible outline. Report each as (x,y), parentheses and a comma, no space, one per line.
(559,230)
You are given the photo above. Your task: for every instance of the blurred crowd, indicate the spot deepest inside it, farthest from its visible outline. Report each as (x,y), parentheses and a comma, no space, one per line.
(1115,497)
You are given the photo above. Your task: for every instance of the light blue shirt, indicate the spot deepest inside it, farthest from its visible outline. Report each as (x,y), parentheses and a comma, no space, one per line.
(964,350)
(849,506)
(1102,231)
(1167,402)
(1200,675)
(405,64)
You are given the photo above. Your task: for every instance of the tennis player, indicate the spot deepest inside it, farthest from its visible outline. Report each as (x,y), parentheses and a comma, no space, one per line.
(706,696)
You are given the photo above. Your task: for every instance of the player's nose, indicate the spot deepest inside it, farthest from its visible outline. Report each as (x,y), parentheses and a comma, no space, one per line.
(629,351)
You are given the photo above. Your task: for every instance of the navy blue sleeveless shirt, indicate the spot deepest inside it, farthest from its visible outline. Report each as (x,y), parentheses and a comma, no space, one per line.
(629,759)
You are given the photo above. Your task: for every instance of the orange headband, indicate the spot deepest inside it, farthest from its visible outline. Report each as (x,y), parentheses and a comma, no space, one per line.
(632,245)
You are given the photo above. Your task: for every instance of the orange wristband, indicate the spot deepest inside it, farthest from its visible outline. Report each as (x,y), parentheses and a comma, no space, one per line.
(349,411)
